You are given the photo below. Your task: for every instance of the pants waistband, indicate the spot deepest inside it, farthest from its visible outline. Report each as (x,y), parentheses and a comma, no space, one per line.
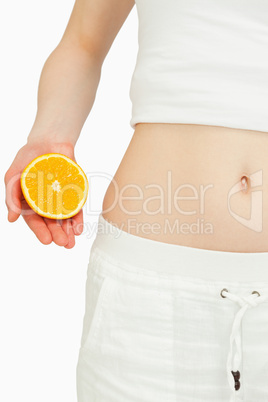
(173,259)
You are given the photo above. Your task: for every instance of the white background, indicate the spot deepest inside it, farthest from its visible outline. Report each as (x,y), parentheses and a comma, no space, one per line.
(42,288)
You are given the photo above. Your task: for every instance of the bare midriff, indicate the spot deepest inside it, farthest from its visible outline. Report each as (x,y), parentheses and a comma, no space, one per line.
(193,185)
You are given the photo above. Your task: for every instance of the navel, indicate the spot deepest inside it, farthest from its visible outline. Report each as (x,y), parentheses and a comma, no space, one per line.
(245,183)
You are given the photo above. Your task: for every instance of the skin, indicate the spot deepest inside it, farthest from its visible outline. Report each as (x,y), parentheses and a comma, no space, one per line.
(194,155)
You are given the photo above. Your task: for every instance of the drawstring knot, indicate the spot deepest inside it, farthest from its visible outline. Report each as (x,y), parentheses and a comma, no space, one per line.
(235,356)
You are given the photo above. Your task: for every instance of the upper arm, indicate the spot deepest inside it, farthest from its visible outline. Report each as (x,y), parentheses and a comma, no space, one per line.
(95,23)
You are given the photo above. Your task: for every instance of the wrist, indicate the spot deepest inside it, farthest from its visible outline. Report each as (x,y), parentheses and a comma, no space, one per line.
(50,144)
(48,137)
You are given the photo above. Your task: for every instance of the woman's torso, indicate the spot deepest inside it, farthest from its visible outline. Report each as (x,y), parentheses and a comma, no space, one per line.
(204,163)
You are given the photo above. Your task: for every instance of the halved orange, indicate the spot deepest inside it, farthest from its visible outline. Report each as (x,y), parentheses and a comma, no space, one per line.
(54,186)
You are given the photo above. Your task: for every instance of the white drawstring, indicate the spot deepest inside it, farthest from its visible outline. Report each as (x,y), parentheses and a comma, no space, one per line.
(235,357)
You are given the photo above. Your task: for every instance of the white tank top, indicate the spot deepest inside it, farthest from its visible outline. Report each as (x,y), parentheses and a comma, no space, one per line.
(202,62)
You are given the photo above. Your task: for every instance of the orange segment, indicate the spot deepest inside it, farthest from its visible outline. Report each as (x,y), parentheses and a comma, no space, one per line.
(54,186)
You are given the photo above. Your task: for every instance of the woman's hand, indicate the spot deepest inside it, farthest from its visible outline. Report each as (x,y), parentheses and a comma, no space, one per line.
(62,232)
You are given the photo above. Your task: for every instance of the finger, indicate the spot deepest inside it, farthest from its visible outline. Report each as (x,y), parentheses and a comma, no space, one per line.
(67,226)
(77,222)
(38,226)
(58,235)
(13,197)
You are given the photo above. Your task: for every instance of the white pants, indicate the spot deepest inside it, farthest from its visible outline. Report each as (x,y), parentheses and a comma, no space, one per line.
(158,326)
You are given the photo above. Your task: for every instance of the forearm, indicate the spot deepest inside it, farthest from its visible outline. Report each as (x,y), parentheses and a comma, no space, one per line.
(66,93)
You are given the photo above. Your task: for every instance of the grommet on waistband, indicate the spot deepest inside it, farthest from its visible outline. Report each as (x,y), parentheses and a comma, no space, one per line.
(223,290)
(255,291)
